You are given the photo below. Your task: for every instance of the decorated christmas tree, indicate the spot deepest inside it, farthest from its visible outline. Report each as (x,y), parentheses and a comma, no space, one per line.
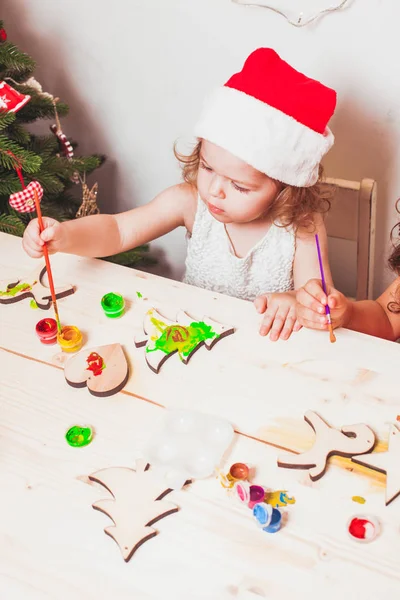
(45,163)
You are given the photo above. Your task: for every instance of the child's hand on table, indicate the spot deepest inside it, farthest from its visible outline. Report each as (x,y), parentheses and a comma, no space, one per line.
(280,315)
(311,302)
(53,234)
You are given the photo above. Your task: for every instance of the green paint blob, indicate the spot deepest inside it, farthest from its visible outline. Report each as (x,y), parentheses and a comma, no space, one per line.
(179,338)
(139,295)
(113,305)
(33,304)
(13,291)
(78,436)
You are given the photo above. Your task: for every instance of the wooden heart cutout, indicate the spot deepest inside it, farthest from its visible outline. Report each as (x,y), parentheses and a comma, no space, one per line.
(103,369)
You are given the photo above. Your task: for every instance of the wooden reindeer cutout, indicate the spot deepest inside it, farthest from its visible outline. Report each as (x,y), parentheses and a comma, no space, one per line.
(349,441)
(138,504)
(31,287)
(386,462)
(164,337)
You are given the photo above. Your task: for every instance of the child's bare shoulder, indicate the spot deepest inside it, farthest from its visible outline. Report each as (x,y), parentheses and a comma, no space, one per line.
(184,197)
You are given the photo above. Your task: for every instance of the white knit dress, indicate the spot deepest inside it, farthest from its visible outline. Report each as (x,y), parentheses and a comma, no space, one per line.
(212,264)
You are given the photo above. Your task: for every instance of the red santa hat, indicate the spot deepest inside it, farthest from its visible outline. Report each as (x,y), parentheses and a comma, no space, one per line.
(272,117)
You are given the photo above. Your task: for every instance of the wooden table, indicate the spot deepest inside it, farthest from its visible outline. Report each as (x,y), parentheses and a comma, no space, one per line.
(52,544)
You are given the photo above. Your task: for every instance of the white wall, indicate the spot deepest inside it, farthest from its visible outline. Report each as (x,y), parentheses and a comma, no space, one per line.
(135,73)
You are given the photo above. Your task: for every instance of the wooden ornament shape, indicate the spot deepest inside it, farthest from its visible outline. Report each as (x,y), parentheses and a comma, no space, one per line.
(386,462)
(138,504)
(112,378)
(156,357)
(349,441)
(37,290)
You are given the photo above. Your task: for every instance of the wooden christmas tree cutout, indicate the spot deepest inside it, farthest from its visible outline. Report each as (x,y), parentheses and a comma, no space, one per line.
(163,337)
(103,369)
(349,441)
(138,504)
(386,462)
(31,287)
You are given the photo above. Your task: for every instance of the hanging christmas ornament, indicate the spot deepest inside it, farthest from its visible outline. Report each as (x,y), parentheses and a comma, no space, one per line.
(89,204)
(3,35)
(11,100)
(24,201)
(66,146)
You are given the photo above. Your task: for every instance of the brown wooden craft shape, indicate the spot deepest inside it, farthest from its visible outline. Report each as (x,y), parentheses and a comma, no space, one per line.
(32,287)
(137,504)
(182,334)
(103,369)
(349,441)
(386,462)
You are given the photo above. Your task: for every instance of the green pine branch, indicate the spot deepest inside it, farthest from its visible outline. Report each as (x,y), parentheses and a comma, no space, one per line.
(12,155)
(41,156)
(6,120)
(130,258)
(19,134)
(14,63)
(9,183)
(39,107)
(11,224)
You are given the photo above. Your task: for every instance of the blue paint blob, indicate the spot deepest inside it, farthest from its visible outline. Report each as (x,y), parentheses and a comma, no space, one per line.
(275,523)
(263,512)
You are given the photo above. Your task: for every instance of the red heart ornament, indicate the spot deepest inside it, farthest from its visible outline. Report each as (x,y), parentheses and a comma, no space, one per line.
(24,201)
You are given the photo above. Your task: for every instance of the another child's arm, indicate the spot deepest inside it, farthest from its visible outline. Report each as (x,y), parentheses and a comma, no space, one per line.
(104,235)
(280,308)
(376,318)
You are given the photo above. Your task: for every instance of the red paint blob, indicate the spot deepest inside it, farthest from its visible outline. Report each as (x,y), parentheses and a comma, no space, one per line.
(96,363)
(357,528)
(46,330)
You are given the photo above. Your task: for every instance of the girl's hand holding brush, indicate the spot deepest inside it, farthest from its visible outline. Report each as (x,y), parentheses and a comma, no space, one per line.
(311,302)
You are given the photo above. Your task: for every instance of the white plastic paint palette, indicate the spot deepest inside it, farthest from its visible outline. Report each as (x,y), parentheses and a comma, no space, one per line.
(190,445)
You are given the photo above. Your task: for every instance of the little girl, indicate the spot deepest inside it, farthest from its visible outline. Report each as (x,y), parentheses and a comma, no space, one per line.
(380,318)
(251,199)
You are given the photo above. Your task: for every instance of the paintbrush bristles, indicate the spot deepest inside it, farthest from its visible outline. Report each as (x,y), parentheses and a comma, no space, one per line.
(332,337)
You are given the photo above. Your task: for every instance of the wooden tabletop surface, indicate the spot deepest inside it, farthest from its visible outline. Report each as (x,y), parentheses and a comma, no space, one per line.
(52,544)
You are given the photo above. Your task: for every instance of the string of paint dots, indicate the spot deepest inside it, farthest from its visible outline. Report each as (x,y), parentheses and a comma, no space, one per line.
(263,503)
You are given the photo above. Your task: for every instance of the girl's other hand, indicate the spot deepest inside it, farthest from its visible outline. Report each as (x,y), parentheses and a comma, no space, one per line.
(280,315)
(311,303)
(33,241)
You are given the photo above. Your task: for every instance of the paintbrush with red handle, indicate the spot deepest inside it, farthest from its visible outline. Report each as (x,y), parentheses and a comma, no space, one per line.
(47,260)
(327,309)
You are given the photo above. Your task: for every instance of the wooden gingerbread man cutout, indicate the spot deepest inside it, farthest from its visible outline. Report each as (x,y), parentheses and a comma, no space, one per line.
(386,462)
(349,441)
(137,504)
(31,287)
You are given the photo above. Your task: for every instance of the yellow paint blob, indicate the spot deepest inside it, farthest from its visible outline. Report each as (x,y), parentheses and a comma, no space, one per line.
(70,339)
(359,499)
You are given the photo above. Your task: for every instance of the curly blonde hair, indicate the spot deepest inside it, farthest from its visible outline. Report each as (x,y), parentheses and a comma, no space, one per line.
(294,206)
